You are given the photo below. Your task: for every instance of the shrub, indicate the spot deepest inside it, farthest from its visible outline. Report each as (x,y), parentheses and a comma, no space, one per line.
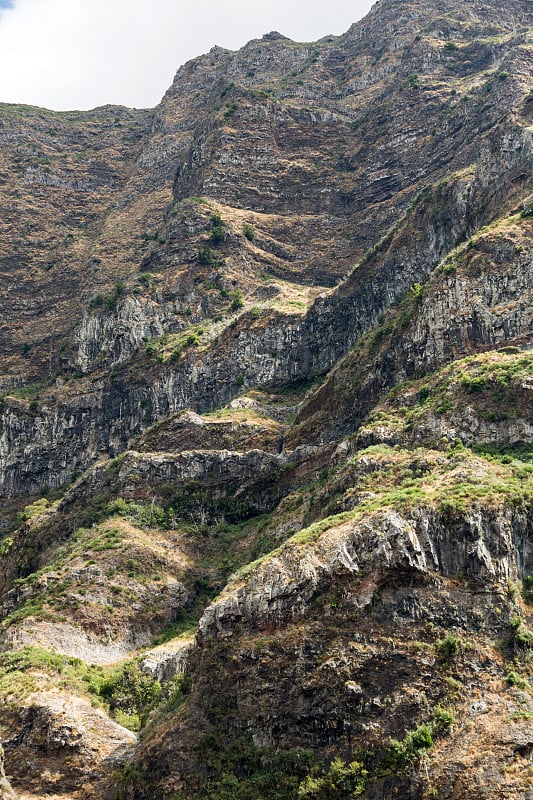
(6,545)
(218,234)
(449,648)
(416,291)
(206,257)
(231,108)
(145,279)
(112,299)
(413,746)
(130,693)
(521,637)
(340,780)
(108,301)
(527,588)
(513,679)
(442,721)
(238,299)
(97,301)
(248,231)
(527,210)
(424,393)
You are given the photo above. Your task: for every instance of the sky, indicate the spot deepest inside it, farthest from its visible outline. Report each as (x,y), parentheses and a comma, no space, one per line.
(78,54)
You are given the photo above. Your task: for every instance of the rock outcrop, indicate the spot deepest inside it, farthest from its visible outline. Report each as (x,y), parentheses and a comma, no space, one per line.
(6,792)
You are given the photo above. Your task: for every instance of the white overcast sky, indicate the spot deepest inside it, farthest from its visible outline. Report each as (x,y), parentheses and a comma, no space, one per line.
(78,54)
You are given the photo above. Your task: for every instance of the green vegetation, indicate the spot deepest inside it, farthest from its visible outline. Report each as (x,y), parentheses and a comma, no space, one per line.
(407,479)
(237,299)
(108,301)
(247,772)
(6,545)
(339,780)
(127,693)
(527,210)
(514,679)
(207,257)
(520,637)
(30,391)
(527,588)
(231,108)
(145,279)
(414,745)
(449,648)
(243,771)
(172,346)
(490,382)
(218,230)
(248,232)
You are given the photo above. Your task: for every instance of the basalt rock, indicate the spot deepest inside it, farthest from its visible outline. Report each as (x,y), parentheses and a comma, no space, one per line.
(6,792)
(266,400)
(373,117)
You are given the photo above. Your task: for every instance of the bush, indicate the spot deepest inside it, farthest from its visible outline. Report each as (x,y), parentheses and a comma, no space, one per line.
(218,234)
(108,301)
(238,299)
(443,720)
(521,637)
(416,291)
(527,588)
(130,693)
(206,257)
(340,780)
(145,279)
(513,679)
(111,300)
(248,231)
(413,746)
(527,210)
(449,648)
(6,545)
(231,108)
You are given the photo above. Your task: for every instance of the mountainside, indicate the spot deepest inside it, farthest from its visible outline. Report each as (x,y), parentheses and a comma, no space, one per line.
(267,423)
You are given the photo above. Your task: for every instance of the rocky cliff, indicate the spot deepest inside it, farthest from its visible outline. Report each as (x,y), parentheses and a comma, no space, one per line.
(266,423)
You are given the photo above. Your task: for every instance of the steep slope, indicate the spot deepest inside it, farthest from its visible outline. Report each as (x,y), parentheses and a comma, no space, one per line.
(267,496)
(399,102)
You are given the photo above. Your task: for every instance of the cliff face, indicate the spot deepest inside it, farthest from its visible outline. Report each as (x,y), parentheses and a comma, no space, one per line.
(399,103)
(266,423)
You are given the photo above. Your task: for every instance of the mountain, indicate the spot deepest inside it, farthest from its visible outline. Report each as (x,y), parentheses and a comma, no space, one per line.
(267,420)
